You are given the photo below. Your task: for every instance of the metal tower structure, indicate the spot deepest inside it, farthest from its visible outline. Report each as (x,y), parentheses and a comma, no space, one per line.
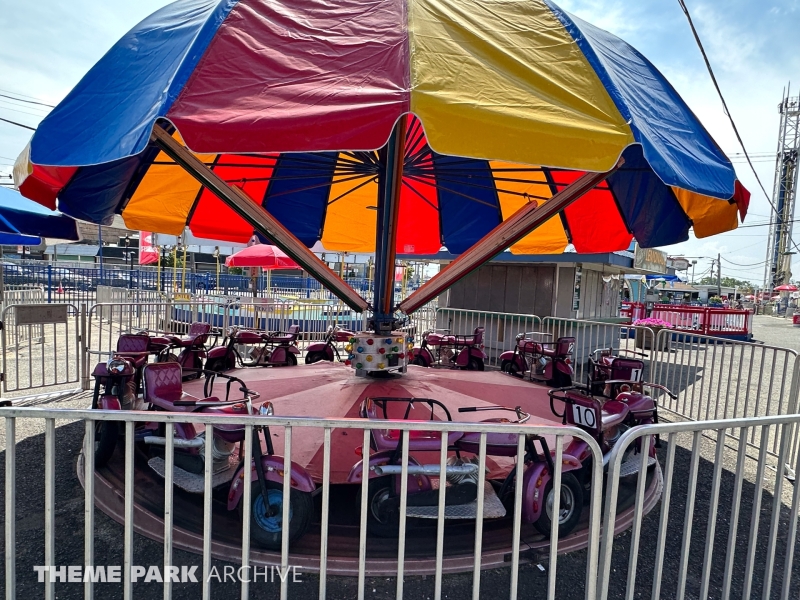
(779,245)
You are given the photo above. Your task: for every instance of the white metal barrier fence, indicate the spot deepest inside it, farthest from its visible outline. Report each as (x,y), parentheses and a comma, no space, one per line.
(591,335)
(15,295)
(717,378)
(292,427)
(42,345)
(702,544)
(501,329)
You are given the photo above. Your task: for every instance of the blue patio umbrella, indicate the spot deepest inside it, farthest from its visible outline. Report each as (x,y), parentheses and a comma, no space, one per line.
(21,218)
(14,239)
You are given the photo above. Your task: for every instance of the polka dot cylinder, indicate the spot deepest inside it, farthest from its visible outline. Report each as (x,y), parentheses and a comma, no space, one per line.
(371,353)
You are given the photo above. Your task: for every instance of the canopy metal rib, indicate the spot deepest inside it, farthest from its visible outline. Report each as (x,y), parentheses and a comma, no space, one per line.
(261,221)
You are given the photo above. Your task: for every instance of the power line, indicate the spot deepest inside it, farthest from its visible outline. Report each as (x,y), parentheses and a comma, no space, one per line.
(27,101)
(18,124)
(722,98)
(24,112)
(12,92)
(751,265)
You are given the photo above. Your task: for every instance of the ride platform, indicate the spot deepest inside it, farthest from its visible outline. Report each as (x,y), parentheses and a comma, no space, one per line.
(332,390)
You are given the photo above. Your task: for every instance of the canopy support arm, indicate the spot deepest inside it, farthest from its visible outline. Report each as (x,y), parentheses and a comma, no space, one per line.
(521,223)
(261,221)
(390,182)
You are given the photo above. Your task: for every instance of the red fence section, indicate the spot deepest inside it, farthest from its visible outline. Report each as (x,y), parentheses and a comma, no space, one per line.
(633,311)
(705,321)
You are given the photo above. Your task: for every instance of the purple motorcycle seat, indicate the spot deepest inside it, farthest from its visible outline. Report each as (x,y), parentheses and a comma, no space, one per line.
(158,342)
(280,339)
(248,337)
(387,439)
(198,334)
(188,341)
(132,343)
(637,402)
(139,358)
(497,444)
(613,414)
(284,337)
(439,339)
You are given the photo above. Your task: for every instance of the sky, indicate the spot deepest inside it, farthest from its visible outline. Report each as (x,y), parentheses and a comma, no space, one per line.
(48,45)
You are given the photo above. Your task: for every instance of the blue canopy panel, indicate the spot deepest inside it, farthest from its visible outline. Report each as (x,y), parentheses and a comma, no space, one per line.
(15,239)
(20,216)
(675,144)
(473,186)
(107,117)
(651,210)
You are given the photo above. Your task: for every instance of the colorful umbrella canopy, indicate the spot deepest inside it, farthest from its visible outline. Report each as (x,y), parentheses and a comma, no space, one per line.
(293,101)
(265,256)
(785,288)
(23,222)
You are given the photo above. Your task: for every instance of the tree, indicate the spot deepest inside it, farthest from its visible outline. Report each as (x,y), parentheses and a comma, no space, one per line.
(168,260)
(729,282)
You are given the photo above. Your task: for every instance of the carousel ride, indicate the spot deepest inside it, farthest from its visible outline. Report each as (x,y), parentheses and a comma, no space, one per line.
(402,128)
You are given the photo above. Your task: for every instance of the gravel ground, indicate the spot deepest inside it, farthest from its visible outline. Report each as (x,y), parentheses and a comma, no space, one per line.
(533,578)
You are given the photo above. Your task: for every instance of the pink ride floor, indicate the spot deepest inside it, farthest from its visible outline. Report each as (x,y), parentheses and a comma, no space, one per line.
(331,390)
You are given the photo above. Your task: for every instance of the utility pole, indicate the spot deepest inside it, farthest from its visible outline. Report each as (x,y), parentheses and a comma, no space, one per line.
(719,276)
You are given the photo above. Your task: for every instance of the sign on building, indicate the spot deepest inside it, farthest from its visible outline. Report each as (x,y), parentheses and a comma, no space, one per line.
(650,259)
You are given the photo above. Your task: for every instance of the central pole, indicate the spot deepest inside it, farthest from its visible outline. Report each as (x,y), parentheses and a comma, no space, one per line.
(390,184)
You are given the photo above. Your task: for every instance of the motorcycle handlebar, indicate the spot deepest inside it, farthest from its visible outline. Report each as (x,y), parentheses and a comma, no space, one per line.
(522,416)
(661,387)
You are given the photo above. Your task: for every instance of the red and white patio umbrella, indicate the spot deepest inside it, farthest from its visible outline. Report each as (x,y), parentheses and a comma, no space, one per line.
(266,256)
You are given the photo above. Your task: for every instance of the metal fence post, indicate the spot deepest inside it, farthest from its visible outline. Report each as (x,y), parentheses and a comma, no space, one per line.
(49,283)
(83,356)
(794,393)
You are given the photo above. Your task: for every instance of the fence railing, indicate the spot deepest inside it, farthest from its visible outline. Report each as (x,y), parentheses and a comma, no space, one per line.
(41,346)
(295,428)
(705,321)
(702,544)
(592,335)
(717,378)
(699,540)
(500,332)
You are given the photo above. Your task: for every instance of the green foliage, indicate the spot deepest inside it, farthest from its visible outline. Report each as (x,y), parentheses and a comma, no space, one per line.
(168,260)
(731,282)
(235,270)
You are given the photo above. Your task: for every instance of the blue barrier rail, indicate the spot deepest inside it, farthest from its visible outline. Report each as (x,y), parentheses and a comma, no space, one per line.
(74,284)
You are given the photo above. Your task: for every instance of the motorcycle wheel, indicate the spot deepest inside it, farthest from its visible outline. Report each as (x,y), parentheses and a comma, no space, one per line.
(106,434)
(570,509)
(216,364)
(510,367)
(382,520)
(167,357)
(419,362)
(475,364)
(560,379)
(314,357)
(267,532)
